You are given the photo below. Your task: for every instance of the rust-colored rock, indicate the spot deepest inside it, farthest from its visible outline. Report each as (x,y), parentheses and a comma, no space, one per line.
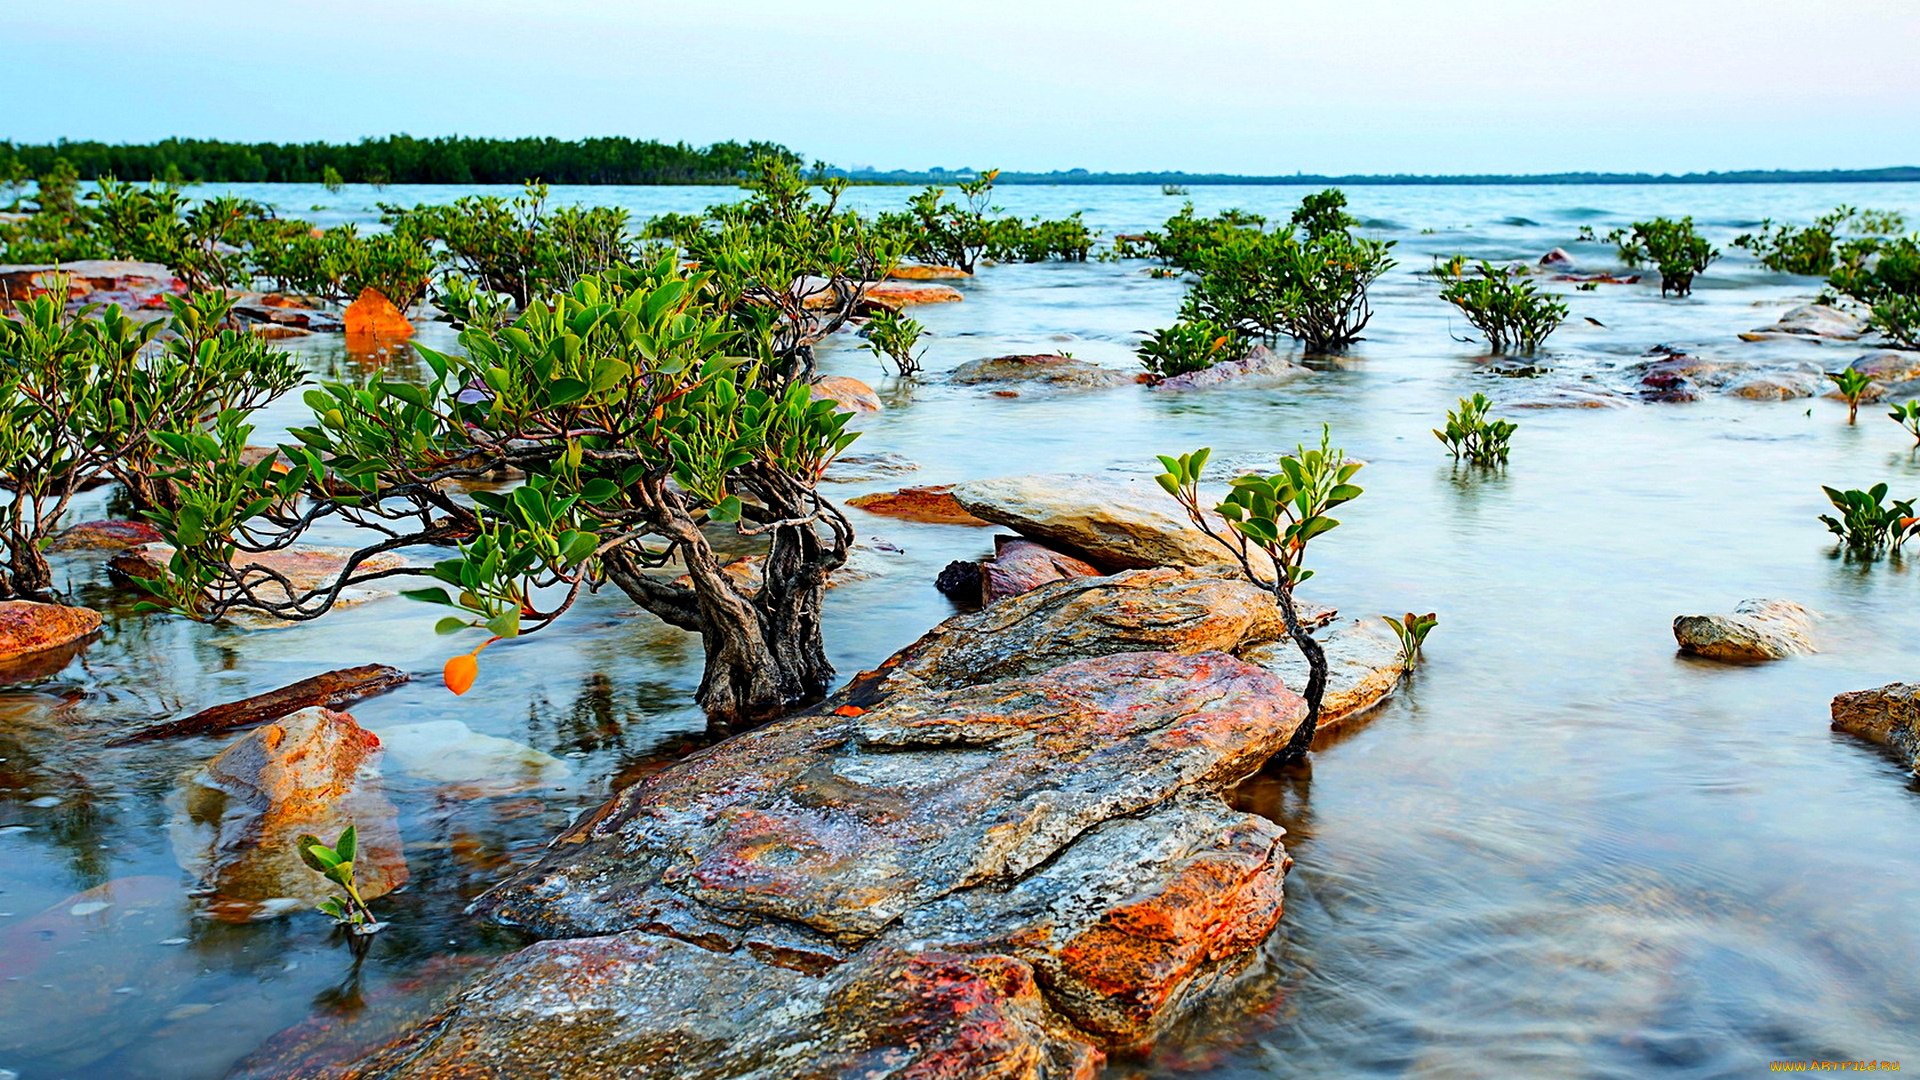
(933,505)
(850,394)
(1888,715)
(28,629)
(237,816)
(651,1008)
(372,315)
(1116,523)
(896,295)
(841,823)
(331,690)
(1021,566)
(110,534)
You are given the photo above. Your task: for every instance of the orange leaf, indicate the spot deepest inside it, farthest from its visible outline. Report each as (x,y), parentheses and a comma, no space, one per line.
(461,671)
(849,710)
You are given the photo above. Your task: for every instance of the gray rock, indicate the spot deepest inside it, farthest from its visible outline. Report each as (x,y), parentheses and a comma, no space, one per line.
(1810,321)
(1890,366)
(1260,367)
(1779,384)
(1051,371)
(1757,630)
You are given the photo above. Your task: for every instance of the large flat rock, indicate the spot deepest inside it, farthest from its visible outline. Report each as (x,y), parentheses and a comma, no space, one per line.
(649,1008)
(1162,609)
(841,823)
(1116,524)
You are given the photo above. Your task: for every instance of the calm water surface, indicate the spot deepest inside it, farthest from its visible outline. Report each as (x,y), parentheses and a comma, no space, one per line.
(1561,850)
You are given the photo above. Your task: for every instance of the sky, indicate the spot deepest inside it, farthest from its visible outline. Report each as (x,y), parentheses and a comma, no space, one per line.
(1275,87)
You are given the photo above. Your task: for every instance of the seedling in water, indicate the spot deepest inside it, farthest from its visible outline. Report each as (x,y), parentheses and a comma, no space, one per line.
(1413,630)
(336,865)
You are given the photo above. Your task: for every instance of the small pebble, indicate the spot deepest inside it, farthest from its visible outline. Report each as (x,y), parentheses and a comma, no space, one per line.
(90,907)
(45,801)
(126,990)
(187,1011)
(174,941)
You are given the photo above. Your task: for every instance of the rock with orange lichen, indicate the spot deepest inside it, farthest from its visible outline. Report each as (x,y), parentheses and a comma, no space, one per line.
(651,1008)
(372,315)
(108,534)
(850,394)
(1128,917)
(37,640)
(916,272)
(841,824)
(236,817)
(933,505)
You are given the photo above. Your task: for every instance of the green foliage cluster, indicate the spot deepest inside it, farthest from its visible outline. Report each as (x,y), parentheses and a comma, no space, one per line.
(1839,238)
(1471,435)
(1308,281)
(335,863)
(1887,280)
(935,229)
(1868,525)
(338,263)
(518,246)
(1501,304)
(86,397)
(403,159)
(1189,346)
(894,336)
(1672,247)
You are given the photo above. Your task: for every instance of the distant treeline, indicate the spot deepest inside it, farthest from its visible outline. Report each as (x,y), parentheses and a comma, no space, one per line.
(403,159)
(1082,176)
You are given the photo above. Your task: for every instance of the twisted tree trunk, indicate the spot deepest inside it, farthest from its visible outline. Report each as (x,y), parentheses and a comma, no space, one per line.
(1302,740)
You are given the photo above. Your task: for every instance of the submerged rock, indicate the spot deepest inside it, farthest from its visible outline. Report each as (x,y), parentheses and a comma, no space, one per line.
(1889,715)
(38,640)
(1114,523)
(1260,367)
(132,285)
(1363,667)
(305,568)
(1757,630)
(111,534)
(238,815)
(471,765)
(911,272)
(850,394)
(1810,321)
(1557,259)
(1891,366)
(1049,370)
(1779,384)
(933,505)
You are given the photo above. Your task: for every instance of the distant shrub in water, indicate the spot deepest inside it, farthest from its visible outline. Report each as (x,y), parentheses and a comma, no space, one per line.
(1504,306)
(1852,383)
(520,246)
(1470,435)
(893,336)
(1813,251)
(1868,525)
(1188,346)
(1887,279)
(1672,247)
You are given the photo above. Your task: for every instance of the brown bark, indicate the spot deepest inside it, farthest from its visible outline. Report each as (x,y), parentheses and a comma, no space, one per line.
(332,690)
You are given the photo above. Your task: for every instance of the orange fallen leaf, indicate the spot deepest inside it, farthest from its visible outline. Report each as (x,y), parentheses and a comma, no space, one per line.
(849,710)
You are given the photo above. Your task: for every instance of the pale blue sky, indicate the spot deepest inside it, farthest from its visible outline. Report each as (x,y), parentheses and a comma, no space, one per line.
(1200,85)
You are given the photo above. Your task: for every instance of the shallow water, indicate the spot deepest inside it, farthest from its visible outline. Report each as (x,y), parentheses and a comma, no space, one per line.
(1561,850)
